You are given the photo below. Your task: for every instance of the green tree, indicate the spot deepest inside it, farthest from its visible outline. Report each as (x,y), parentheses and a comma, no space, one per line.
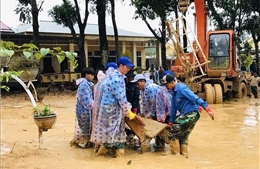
(28,11)
(247,58)
(238,15)
(152,9)
(251,25)
(113,17)
(101,6)
(68,14)
(226,14)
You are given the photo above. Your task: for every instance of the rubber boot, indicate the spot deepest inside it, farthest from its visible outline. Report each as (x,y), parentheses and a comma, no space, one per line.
(101,151)
(184,150)
(120,152)
(112,152)
(72,142)
(159,143)
(96,147)
(174,146)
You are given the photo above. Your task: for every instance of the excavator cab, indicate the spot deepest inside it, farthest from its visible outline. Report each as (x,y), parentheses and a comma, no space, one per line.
(221,54)
(219,51)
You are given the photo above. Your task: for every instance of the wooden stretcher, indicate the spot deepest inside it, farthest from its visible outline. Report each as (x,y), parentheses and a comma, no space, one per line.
(145,128)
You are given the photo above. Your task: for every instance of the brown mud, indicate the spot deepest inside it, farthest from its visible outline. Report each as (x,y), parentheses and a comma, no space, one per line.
(231,141)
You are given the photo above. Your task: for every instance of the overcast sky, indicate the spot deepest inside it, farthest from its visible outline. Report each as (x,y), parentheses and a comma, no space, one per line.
(124,15)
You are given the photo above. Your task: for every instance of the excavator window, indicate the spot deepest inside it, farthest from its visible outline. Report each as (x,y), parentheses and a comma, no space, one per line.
(219,51)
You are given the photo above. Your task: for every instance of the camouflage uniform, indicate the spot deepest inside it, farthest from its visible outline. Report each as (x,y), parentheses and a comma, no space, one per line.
(183,126)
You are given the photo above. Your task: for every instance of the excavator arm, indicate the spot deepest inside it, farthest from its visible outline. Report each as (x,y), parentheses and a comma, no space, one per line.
(189,65)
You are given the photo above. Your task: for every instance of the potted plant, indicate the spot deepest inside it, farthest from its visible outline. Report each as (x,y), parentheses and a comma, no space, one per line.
(44,118)
(27,57)
(138,70)
(28,66)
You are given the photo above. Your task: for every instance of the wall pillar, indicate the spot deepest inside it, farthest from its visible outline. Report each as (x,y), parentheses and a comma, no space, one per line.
(143,58)
(158,55)
(123,47)
(86,51)
(71,49)
(134,56)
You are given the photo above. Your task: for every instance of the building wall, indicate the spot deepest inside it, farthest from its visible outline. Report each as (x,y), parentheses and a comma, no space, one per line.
(136,45)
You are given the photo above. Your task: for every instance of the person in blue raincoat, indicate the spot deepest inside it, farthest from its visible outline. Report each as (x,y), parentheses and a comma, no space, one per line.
(112,109)
(163,108)
(101,76)
(163,102)
(148,96)
(84,102)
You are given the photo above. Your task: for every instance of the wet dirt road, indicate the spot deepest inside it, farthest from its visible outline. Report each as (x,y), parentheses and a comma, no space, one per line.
(231,141)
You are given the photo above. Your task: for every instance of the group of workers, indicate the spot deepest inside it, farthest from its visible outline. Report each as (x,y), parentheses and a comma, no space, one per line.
(101,108)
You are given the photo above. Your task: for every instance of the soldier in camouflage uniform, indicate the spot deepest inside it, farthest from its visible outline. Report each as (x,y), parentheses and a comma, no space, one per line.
(186,102)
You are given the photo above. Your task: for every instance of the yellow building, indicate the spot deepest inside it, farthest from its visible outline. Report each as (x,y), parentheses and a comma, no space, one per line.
(52,34)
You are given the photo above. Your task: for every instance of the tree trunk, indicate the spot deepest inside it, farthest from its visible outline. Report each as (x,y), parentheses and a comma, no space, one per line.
(81,46)
(103,43)
(256,40)
(35,23)
(163,43)
(115,28)
(257,56)
(161,39)
(81,39)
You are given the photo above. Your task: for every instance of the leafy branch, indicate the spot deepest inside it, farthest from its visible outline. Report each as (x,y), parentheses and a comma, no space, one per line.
(7,76)
(29,50)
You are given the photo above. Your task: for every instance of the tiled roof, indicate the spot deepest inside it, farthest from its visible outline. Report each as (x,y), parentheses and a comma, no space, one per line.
(5,28)
(91,29)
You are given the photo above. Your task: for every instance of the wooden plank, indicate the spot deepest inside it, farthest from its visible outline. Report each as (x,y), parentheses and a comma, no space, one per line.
(164,135)
(153,127)
(146,127)
(137,128)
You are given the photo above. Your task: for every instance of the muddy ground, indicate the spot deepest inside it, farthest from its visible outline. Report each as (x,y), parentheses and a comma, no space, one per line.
(231,141)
